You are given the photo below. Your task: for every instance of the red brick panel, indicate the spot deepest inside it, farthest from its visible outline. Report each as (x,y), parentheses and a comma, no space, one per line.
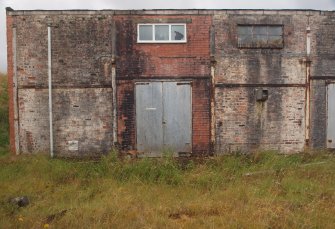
(163,59)
(200,117)
(126,114)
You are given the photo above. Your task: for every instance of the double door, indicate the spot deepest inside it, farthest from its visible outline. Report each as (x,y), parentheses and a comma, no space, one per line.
(163,117)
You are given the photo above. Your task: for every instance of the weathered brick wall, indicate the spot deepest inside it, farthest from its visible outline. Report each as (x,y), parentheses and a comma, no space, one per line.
(82,50)
(34,120)
(83,54)
(241,122)
(126,114)
(81,75)
(78,115)
(322,72)
(323,50)
(81,79)
(85,116)
(235,65)
(31,48)
(144,60)
(201,117)
(10,69)
(32,51)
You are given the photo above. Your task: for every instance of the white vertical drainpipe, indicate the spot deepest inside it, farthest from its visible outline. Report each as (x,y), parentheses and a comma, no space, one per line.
(212,100)
(50,92)
(308,41)
(213,105)
(114,102)
(307,112)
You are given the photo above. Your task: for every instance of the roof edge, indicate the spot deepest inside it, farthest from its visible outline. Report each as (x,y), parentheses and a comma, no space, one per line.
(13,12)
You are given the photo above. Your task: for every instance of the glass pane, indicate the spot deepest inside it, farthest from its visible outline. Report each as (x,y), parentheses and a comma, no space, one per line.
(145,32)
(275,41)
(178,32)
(275,30)
(260,40)
(260,30)
(245,41)
(161,32)
(242,29)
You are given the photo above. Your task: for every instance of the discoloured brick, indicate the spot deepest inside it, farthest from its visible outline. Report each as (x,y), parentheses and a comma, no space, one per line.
(85,55)
(244,124)
(10,73)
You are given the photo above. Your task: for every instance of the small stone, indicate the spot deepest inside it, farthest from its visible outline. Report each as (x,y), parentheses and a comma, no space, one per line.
(20,201)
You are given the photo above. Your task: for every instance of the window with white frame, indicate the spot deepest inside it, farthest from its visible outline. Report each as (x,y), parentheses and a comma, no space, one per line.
(161,33)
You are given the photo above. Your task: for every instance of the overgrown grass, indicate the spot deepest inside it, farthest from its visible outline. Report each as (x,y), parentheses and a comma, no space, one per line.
(4,126)
(263,190)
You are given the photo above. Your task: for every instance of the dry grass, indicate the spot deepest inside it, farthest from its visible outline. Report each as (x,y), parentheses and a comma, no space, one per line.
(262,190)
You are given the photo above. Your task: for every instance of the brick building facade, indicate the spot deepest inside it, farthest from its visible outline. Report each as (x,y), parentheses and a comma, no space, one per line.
(191,81)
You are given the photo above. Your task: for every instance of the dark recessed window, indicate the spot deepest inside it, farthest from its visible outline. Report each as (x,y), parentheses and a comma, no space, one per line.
(260,36)
(161,33)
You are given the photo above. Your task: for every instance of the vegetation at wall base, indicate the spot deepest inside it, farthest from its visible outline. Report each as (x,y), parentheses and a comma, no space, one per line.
(260,190)
(4,125)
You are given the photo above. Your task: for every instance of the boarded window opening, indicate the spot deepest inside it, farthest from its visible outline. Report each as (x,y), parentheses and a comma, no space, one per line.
(260,36)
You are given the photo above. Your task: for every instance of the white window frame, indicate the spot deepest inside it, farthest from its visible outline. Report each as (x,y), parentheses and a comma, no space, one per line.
(161,41)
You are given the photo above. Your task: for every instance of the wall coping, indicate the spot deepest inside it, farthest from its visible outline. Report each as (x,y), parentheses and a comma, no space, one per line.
(12,12)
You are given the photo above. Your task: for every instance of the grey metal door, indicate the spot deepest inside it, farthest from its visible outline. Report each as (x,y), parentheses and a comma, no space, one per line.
(177,116)
(331,116)
(163,117)
(149,112)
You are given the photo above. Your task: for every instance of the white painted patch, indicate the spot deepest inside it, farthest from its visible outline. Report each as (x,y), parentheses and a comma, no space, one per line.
(73,145)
